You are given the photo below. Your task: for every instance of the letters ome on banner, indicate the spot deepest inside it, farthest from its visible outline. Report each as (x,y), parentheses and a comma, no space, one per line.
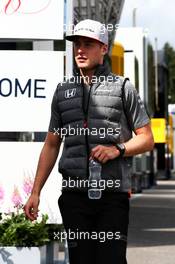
(27,84)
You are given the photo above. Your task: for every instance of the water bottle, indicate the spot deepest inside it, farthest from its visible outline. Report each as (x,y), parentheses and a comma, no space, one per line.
(94,191)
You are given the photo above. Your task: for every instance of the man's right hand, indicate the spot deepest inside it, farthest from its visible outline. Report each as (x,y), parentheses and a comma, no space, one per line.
(31,207)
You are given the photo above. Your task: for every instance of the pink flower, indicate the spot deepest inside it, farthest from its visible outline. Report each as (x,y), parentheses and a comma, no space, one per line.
(1,193)
(27,185)
(16,197)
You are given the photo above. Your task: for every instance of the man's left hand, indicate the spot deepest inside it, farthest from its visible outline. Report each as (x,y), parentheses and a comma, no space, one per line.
(103,153)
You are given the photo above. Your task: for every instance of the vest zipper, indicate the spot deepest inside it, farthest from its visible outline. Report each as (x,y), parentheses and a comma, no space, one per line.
(86,123)
(85,110)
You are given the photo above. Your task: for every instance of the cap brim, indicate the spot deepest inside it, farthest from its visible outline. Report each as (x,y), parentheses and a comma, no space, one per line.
(73,37)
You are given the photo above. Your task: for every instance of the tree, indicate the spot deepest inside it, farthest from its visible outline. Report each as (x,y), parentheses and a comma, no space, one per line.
(170,61)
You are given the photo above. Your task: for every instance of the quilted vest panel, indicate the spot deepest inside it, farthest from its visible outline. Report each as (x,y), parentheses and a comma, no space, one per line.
(99,125)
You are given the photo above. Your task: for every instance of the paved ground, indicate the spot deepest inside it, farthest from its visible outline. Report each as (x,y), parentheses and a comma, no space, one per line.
(152,225)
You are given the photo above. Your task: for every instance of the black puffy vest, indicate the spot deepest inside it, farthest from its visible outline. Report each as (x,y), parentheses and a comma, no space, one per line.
(99,125)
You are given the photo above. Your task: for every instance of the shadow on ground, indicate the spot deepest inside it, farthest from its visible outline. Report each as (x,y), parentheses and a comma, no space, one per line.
(152,217)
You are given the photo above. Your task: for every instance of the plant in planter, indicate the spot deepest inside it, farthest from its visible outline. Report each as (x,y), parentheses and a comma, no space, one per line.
(19,236)
(21,239)
(17,230)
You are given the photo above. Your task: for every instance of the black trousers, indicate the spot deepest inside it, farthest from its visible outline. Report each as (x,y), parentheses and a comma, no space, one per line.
(96,229)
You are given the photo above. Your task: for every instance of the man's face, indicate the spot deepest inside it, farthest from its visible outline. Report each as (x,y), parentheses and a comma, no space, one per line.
(88,52)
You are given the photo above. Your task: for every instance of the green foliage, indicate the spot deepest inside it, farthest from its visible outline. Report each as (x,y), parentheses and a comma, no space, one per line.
(170,61)
(17,230)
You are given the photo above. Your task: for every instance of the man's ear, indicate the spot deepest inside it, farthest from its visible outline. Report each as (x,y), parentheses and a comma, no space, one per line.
(104,49)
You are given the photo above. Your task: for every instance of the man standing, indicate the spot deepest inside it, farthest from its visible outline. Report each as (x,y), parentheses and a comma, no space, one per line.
(93,101)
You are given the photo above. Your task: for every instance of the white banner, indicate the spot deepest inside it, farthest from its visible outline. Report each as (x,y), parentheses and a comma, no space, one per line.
(34,19)
(28,80)
(18,166)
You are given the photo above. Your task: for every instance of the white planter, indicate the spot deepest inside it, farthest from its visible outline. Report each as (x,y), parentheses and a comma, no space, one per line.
(19,255)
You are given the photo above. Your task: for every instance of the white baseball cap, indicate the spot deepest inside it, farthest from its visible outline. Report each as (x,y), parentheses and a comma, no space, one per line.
(90,29)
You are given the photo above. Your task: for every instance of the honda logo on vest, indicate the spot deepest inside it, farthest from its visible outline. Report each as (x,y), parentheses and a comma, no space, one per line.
(70,93)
